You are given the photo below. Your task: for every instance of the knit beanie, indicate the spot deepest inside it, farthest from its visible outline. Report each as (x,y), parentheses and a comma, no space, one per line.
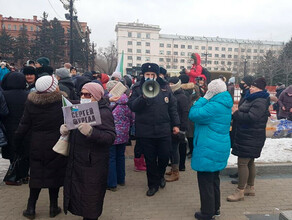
(217,86)
(176,83)
(117,75)
(46,84)
(95,90)
(260,83)
(232,80)
(62,73)
(248,80)
(111,84)
(184,78)
(29,70)
(43,61)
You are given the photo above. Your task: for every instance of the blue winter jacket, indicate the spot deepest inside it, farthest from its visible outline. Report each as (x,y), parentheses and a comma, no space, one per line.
(211,137)
(3,72)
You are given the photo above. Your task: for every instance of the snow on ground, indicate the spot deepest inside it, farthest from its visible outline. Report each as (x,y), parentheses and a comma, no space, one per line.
(274,151)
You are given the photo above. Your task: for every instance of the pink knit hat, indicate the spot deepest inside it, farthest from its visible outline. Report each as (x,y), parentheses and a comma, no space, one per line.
(95,90)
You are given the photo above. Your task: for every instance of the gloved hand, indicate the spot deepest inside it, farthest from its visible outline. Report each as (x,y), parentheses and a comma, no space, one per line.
(209,94)
(64,130)
(85,129)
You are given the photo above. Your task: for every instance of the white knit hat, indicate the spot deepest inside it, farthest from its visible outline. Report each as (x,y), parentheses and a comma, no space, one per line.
(217,86)
(46,84)
(117,74)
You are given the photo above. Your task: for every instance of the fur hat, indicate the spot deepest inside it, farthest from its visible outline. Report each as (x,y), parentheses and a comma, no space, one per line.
(176,83)
(46,84)
(29,70)
(260,83)
(117,75)
(62,73)
(217,86)
(184,78)
(43,61)
(150,67)
(162,71)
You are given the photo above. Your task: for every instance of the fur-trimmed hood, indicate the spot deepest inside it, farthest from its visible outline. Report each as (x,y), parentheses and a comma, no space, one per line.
(186,86)
(45,98)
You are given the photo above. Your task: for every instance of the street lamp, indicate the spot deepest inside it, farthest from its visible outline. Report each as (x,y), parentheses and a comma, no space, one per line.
(206,53)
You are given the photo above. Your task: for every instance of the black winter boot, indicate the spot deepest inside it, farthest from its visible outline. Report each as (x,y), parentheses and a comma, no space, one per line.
(54,209)
(30,210)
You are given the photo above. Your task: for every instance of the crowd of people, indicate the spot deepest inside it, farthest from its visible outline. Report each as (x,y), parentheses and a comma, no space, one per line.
(190,116)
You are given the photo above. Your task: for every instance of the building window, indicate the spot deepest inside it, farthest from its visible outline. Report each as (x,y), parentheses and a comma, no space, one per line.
(182,53)
(175,53)
(235,63)
(15,27)
(235,56)
(203,47)
(139,43)
(161,59)
(223,49)
(168,59)
(9,26)
(161,52)
(203,62)
(147,58)
(216,62)
(147,51)
(223,68)
(3,26)
(37,28)
(189,54)
(216,68)
(175,46)
(203,54)
(130,50)
(216,55)
(138,65)
(190,47)
(249,50)
(129,34)
(229,56)
(248,57)
(242,50)
(229,49)
(130,43)
(223,55)
(31,28)
(182,46)
(148,36)
(129,64)
(182,60)
(196,47)
(255,50)
(209,48)
(167,66)
(209,55)
(147,44)
(229,63)
(223,62)
(255,57)
(235,49)
(20,27)
(175,60)
(138,50)
(138,58)
(174,67)
(229,69)
(161,45)
(189,67)
(168,53)
(242,56)
(217,48)
(130,57)
(138,35)
(168,45)
(181,67)
(209,62)
(261,51)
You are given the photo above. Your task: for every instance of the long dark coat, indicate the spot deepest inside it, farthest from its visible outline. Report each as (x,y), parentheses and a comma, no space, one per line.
(14,85)
(43,116)
(249,129)
(86,175)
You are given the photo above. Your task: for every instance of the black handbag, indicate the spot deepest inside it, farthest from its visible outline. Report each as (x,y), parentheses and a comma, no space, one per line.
(17,170)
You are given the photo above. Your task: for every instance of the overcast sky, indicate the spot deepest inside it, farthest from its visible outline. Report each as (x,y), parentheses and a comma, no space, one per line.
(241,19)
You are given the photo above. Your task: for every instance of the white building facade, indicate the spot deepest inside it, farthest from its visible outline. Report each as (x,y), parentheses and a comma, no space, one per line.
(143,43)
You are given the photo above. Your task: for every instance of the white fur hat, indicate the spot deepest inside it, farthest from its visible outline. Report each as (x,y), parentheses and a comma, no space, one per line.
(46,84)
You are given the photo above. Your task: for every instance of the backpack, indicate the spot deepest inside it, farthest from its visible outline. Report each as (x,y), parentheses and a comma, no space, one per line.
(206,72)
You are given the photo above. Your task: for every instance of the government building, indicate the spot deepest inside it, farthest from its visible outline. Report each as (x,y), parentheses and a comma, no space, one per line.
(143,43)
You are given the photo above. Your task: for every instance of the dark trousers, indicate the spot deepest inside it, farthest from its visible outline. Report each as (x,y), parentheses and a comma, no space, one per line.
(138,150)
(182,155)
(35,192)
(191,144)
(116,174)
(209,186)
(157,153)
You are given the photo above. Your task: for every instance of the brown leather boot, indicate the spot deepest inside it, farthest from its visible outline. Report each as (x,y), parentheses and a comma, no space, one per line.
(238,195)
(249,191)
(174,175)
(169,172)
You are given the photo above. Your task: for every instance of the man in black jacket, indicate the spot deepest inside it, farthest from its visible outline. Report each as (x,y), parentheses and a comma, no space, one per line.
(156,118)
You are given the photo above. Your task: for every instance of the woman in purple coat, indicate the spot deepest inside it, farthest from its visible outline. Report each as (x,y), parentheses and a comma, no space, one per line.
(123,118)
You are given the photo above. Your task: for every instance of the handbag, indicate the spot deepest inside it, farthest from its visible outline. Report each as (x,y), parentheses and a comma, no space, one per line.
(62,146)
(17,170)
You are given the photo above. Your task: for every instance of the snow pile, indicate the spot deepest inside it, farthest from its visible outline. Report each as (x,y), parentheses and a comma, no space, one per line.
(274,151)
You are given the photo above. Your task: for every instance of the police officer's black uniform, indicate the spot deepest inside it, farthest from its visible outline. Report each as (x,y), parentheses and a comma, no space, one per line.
(154,120)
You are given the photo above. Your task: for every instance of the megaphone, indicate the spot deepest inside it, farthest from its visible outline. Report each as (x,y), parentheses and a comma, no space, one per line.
(150,88)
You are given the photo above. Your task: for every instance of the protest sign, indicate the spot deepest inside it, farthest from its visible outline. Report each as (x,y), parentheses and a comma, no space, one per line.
(81,113)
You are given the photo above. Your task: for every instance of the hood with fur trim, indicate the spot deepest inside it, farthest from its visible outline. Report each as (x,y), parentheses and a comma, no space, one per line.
(45,98)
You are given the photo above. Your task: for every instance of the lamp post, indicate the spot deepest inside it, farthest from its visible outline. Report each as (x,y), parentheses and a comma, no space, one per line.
(206,53)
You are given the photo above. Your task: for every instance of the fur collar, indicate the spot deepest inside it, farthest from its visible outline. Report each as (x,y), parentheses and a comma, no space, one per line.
(187,86)
(45,98)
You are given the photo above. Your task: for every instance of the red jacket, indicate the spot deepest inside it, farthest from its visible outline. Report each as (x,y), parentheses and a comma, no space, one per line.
(196,70)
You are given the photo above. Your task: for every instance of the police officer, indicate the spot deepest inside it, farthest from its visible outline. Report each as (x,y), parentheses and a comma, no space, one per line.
(156,118)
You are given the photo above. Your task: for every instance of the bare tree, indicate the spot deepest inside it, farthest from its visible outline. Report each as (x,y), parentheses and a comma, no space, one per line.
(107,58)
